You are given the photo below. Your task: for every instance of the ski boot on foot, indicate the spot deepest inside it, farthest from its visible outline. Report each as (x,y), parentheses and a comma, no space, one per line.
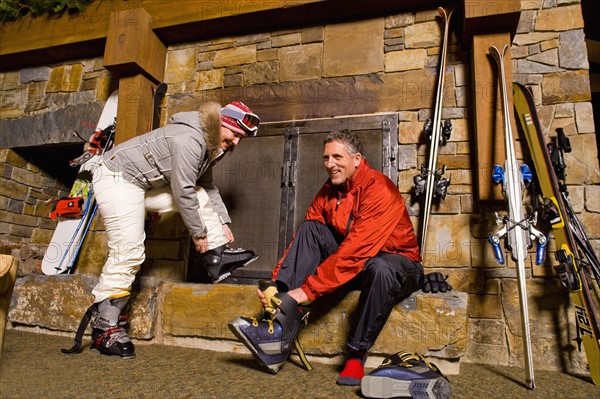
(221,261)
(108,333)
(406,374)
(271,339)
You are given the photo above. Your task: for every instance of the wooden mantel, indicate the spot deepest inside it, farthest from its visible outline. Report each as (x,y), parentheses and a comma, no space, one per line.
(34,33)
(45,40)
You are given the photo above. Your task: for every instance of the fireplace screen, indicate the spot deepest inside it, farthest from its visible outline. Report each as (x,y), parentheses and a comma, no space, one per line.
(268,182)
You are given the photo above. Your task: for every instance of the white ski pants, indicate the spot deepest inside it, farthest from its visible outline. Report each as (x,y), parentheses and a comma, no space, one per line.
(122,206)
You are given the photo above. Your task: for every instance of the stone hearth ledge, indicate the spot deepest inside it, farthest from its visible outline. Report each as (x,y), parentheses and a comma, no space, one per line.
(196,315)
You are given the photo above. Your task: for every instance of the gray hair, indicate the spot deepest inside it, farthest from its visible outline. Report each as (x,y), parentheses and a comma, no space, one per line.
(349,139)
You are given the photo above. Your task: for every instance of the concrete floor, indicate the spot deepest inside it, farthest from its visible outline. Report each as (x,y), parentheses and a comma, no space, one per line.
(32,366)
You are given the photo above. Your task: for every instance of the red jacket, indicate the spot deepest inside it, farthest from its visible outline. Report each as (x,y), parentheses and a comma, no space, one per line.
(379,222)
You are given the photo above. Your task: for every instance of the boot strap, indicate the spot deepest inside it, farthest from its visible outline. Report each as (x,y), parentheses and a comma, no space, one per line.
(287,305)
(301,354)
(85,321)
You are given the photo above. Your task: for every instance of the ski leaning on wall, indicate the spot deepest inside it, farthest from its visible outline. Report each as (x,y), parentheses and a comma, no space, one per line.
(572,253)
(430,182)
(72,227)
(517,228)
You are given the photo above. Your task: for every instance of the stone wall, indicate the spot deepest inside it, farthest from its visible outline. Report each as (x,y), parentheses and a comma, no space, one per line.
(24,189)
(32,105)
(390,64)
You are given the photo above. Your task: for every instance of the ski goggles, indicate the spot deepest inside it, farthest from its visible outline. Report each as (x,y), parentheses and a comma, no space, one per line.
(247,121)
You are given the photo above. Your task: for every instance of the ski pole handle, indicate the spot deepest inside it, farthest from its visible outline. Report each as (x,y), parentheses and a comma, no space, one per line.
(497,249)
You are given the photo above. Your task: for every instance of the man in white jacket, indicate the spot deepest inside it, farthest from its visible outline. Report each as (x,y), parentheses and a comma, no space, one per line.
(166,170)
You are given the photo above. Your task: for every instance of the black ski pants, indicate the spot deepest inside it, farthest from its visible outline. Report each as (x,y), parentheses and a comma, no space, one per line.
(385,279)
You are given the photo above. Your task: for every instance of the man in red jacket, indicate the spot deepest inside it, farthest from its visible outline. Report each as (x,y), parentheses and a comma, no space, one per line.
(357,226)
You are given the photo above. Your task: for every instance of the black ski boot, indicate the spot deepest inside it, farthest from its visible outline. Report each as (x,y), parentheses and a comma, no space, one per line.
(221,261)
(270,340)
(108,333)
(405,374)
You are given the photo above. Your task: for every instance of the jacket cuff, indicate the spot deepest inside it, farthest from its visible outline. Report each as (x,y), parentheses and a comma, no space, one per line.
(311,296)
(199,233)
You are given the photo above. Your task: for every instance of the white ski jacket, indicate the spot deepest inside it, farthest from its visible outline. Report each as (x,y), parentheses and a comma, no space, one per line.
(180,154)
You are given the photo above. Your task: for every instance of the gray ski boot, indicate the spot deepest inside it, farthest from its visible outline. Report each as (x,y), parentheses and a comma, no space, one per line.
(108,333)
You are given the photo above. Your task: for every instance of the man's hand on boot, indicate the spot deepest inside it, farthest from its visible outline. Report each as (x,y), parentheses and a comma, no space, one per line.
(261,296)
(299,295)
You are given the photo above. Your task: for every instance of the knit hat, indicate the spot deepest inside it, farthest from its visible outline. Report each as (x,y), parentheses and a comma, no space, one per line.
(239,118)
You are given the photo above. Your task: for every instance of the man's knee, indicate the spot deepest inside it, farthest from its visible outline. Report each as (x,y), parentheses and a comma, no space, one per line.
(310,225)
(377,268)
(394,268)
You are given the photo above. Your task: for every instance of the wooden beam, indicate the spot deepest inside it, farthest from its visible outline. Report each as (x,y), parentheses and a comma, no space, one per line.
(34,33)
(487,109)
(490,16)
(489,23)
(43,40)
(134,112)
(132,47)
(137,57)
(8,276)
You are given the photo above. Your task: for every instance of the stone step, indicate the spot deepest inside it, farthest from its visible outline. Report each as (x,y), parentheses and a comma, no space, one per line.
(185,314)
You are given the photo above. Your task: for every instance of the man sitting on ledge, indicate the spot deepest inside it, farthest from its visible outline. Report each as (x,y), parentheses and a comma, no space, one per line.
(357,227)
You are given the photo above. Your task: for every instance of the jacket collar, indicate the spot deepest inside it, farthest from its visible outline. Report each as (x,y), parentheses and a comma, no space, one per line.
(356,179)
(210,123)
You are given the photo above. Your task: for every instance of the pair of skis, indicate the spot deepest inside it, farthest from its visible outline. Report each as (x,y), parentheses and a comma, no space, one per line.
(578,265)
(517,229)
(571,241)
(430,182)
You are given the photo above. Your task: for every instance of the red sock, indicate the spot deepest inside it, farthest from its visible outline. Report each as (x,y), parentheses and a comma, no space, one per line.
(354,370)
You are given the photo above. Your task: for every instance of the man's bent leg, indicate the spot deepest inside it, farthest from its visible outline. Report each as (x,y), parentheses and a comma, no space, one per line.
(312,244)
(387,279)
(270,340)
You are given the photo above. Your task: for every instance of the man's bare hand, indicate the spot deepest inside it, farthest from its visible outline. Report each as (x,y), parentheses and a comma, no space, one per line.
(299,295)
(261,296)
